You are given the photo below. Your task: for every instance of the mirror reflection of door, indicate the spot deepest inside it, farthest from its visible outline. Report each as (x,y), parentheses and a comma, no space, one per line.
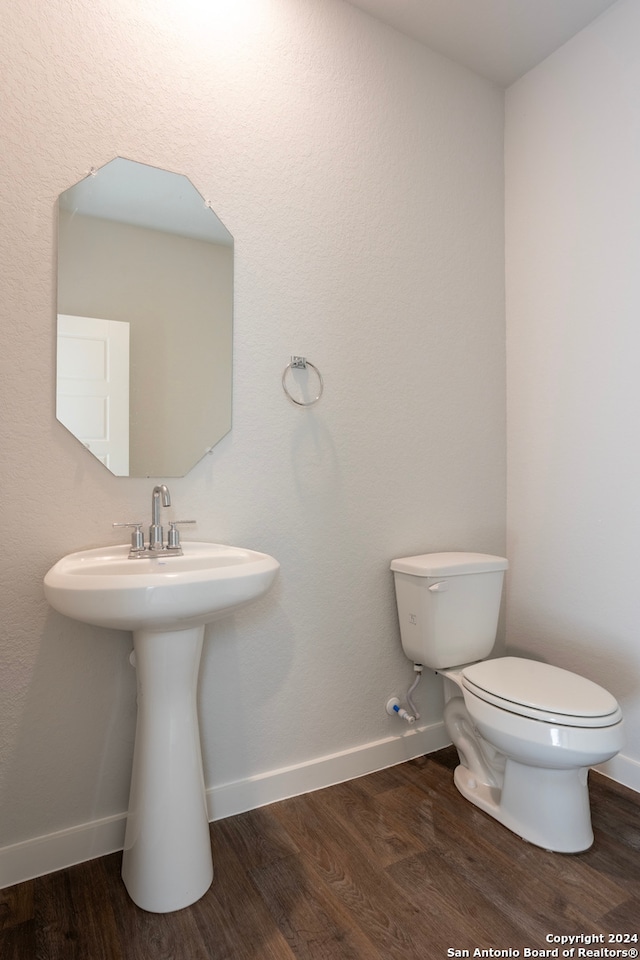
(93,386)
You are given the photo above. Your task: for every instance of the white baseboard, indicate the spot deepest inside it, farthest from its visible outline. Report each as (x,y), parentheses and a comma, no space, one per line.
(56,851)
(243,795)
(623,770)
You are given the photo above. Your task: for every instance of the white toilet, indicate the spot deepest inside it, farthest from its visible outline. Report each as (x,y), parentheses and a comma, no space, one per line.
(526,732)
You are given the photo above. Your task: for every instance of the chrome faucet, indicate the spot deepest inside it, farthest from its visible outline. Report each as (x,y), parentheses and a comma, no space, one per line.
(156,546)
(156,535)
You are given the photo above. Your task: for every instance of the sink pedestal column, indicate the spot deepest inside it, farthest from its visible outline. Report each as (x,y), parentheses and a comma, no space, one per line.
(167,860)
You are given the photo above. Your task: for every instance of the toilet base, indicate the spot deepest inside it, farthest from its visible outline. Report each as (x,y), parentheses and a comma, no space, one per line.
(549,808)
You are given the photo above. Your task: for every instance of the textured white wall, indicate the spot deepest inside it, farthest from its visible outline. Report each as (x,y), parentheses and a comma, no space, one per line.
(361,177)
(573,297)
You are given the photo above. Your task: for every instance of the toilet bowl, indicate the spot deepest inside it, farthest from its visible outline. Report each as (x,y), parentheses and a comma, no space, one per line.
(526,732)
(526,764)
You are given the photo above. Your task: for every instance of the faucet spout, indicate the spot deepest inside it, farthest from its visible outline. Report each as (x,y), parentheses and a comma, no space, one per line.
(156,537)
(160,491)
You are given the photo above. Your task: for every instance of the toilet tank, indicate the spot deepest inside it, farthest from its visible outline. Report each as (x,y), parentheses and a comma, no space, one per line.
(448,606)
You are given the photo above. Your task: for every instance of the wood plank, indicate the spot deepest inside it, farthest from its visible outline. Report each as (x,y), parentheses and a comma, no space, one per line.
(94,925)
(148,936)
(478,924)
(399,928)
(615,809)
(380,781)
(310,918)
(624,919)
(256,837)
(16,904)
(54,918)
(20,943)
(232,919)
(377,826)
(523,883)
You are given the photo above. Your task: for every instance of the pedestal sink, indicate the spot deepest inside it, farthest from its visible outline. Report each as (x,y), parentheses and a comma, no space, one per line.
(165,601)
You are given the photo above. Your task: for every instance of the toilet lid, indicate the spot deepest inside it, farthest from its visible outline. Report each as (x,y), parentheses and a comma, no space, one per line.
(542,691)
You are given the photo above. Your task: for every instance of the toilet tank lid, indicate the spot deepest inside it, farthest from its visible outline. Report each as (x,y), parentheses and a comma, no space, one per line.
(448,564)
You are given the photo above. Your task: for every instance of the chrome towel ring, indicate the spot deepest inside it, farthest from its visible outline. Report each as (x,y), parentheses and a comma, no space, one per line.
(301,363)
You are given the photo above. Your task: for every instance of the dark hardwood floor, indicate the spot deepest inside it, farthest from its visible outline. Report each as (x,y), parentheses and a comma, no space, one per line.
(393,866)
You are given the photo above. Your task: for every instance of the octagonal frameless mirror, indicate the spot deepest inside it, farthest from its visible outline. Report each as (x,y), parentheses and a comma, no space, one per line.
(145,317)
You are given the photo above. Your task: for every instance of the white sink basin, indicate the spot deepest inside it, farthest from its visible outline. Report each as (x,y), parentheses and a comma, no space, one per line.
(209,581)
(165,601)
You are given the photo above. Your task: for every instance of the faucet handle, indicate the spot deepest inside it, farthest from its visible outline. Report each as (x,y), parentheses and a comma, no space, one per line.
(137,539)
(173,537)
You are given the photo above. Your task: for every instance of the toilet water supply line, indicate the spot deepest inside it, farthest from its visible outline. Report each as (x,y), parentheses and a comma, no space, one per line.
(393,705)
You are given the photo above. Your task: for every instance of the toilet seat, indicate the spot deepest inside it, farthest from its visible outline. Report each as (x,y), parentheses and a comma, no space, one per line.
(542,692)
